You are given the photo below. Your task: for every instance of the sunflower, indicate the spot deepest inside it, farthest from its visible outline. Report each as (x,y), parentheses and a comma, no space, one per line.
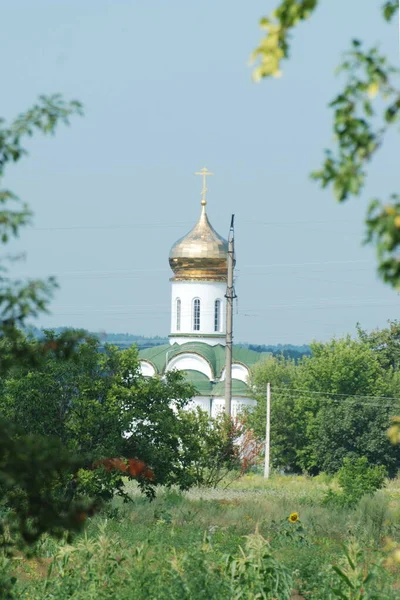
(293,517)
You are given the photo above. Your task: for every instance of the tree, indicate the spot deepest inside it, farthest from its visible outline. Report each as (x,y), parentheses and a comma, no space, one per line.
(217,449)
(364,111)
(327,407)
(385,343)
(353,429)
(33,469)
(282,374)
(100,406)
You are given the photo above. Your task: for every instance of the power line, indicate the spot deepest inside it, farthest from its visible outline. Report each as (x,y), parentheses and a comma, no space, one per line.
(255,313)
(341,402)
(334,394)
(187,223)
(116,226)
(351,402)
(302,222)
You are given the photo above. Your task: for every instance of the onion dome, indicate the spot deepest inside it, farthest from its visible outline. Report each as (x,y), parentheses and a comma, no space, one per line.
(202,253)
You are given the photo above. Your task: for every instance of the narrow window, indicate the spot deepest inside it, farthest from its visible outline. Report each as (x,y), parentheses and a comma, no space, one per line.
(196,314)
(178,314)
(217,315)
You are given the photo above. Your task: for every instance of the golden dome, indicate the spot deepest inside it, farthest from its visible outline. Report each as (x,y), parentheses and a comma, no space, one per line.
(201,254)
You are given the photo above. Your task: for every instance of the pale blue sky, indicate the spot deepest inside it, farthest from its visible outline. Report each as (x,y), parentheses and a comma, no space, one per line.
(167,89)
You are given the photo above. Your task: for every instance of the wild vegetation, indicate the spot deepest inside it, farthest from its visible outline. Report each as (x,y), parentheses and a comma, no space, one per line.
(278,539)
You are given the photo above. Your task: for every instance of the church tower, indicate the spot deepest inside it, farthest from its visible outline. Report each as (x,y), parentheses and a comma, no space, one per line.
(199,263)
(197,347)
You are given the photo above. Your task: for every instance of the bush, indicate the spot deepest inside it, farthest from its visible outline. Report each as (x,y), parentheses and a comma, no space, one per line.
(216,449)
(357,479)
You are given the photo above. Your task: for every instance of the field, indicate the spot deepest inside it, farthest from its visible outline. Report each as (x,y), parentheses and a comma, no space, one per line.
(226,543)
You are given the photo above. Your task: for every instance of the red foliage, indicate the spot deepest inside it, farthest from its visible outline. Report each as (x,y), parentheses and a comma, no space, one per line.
(131,466)
(249,448)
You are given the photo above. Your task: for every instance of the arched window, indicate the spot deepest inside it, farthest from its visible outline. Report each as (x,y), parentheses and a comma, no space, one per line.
(178,314)
(217,315)
(196,314)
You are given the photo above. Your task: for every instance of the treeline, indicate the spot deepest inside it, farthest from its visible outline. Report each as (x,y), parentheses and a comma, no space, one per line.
(285,350)
(124,340)
(336,403)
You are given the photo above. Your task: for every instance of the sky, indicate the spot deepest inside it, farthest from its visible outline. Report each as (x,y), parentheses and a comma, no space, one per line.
(167,89)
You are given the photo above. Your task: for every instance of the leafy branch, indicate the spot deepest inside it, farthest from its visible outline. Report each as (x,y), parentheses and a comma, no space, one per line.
(364,111)
(22,300)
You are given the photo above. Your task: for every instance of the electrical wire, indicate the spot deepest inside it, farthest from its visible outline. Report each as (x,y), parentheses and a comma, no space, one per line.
(188,223)
(349,401)
(334,394)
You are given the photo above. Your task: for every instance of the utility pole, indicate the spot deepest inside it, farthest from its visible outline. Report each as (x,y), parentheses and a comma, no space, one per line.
(267,432)
(230,295)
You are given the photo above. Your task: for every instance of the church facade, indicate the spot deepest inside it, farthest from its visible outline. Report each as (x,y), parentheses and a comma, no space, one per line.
(198,321)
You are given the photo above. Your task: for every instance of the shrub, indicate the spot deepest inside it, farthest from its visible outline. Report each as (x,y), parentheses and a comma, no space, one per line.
(216,449)
(357,479)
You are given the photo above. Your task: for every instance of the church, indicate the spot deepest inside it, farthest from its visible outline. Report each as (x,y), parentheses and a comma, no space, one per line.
(199,263)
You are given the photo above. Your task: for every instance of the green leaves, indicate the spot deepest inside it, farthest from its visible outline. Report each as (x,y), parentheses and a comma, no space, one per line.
(383,229)
(358,135)
(99,405)
(329,406)
(34,471)
(363,111)
(389,9)
(360,130)
(256,573)
(21,300)
(274,47)
(357,578)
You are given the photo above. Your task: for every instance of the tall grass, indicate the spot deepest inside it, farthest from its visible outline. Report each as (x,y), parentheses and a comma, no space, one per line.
(224,544)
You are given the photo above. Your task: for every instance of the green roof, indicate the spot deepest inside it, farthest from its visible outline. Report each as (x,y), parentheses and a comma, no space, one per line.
(214,355)
(156,356)
(205,387)
(200,381)
(239,388)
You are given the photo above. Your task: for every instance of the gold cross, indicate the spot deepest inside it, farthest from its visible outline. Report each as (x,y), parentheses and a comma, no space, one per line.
(204,173)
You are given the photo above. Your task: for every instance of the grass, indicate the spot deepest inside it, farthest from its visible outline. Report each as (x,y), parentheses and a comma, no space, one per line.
(179,546)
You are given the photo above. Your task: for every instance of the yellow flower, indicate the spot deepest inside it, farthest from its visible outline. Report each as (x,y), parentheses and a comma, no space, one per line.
(293,517)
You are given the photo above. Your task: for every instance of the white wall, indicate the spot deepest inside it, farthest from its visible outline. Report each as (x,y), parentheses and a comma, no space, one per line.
(238,372)
(190,362)
(208,292)
(218,405)
(147,369)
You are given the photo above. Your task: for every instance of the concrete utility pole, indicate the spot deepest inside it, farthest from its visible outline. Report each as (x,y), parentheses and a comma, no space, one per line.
(267,432)
(230,295)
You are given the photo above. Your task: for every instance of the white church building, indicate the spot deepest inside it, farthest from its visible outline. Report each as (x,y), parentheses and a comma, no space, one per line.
(198,321)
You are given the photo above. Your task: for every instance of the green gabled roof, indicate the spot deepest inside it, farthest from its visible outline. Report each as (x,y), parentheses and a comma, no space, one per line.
(239,388)
(156,356)
(205,387)
(200,381)
(246,356)
(214,355)
(204,350)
